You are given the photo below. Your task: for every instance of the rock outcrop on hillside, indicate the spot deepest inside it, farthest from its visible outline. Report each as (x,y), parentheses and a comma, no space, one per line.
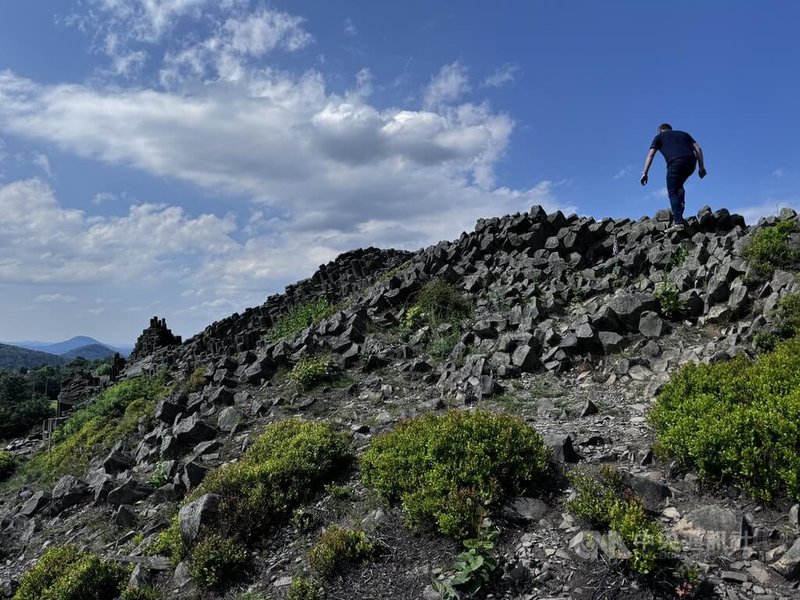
(569,331)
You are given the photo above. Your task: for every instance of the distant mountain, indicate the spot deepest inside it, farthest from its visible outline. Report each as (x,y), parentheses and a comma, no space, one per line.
(80,341)
(14,357)
(89,352)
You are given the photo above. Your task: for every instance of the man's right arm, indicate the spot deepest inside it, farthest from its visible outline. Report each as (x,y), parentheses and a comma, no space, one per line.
(698,152)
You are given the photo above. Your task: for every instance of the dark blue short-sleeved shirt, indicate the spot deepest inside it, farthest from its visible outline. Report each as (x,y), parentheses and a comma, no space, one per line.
(674,145)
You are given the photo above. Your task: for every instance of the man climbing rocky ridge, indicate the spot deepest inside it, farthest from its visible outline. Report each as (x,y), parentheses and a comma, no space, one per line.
(576,325)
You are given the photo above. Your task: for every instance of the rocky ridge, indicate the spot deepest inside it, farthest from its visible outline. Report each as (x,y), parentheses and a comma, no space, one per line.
(569,333)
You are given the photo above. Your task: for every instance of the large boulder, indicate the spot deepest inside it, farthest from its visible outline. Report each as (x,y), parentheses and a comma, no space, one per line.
(196,515)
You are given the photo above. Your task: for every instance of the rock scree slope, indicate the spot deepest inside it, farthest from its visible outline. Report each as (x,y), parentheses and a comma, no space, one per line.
(574,326)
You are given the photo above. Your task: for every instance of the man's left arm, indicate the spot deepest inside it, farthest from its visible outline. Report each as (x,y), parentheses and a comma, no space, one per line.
(698,152)
(648,161)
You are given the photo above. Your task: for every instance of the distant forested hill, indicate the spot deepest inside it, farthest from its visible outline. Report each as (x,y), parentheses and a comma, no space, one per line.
(14,358)
(89,352)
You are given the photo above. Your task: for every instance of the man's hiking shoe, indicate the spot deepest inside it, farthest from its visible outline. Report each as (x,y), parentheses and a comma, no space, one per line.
(675,227)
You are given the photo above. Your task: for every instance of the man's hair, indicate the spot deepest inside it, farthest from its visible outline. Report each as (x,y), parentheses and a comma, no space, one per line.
(665,127)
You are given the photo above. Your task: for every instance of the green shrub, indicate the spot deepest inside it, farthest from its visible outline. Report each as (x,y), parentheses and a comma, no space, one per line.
(290,462)
(300,317)
(170,543)
(287,465)
(137,593)
(216,560)
(604,502)
(7,464)
(197,380)
(765,341)
(437,302)
(112,416)
(445,469)
(597,495)
(310,372)
(442,344)
(669,301)
(159,476)
(787,315)
(769,248)
(338,548)
(67,573)
(304,588)
(736,422)
(677,259)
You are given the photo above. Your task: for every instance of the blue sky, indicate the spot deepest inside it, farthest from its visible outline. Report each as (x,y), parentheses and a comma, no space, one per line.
(188,158)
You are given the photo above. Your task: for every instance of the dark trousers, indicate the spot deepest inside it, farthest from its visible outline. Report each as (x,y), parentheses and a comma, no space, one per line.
(678,172)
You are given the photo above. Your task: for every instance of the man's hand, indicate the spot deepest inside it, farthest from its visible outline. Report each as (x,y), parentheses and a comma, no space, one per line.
(643,180)
(701,173)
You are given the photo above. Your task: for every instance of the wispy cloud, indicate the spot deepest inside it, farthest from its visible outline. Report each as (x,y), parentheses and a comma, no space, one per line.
(502,76)
(55,298)
(446,86)
(350,28)
(623,171)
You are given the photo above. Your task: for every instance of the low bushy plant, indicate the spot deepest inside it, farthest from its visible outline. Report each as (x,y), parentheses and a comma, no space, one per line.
(736,422)
(304,588)
(787,315)
(196,380)
(668,296)
(287,465)
(338,548)
(436,303)
(159,476)
(67,573)
(169,543)
(444,469)
(765,341)
(604,502)
(769,248)
(114,415)
(139,593)
(597,495)
(677,259)
(299,317)
(216,560)
(310,372)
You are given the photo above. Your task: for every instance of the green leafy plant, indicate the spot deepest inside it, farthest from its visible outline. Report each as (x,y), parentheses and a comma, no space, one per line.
(67,573)
(169,543)
(769,248)
(287,465)
(216,560)
(736,422)
(114,415)
(765,341)
(473,568)
(310,372)
(787,315)
(606,503)
(437,302)
(159,476)
(445,469)
(677,259)
(298,318)
(442,344)
(338,548)
(196,380)
(139,593)
(669,300)
(304,588)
